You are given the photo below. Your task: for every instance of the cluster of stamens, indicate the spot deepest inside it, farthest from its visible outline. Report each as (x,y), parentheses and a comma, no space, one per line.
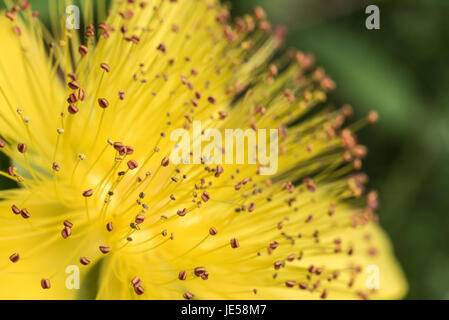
(229,218)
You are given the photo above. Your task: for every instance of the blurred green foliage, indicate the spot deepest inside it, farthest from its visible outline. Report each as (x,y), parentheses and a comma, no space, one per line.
(402,70)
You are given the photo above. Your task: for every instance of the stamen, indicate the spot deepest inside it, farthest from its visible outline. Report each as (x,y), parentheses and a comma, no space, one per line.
(223,79)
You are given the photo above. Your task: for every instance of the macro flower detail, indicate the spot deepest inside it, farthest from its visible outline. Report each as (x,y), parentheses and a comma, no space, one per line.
(85,121)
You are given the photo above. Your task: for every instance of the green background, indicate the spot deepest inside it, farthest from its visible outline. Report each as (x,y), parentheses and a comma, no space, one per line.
(401,70)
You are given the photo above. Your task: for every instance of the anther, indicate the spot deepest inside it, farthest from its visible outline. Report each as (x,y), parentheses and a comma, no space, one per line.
(182,212)
(66,232)
(129,150)
(103,103)
(72,109)
(219,171)
(9,15)
(56,167)
(74,85)
(139,290)
(350,251)
(83,50)
(24,213)
(12,171)
(372,117)
(222,115)
(324,294)
(135,282)
(134,226)
(22,147)
(234,243)
(68,224)
(45,284)
(331,211)
(205,196)
(303,285)
(109,226)
(2,144)
(188,295)
(81,94)
(290,283)
(84,261)
(88,193)
(213,231)
(165,162)
(132,164)
(117,145)
(14,257)
(182,275)
(205,275)
(162,48)
(140,218)
(311,268)
(198,271)
(15,209)
(211,100)
(105,67)
(104,249)
(362,295)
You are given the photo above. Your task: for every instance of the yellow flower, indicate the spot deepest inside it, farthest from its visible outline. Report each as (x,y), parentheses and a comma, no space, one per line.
(86,118)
